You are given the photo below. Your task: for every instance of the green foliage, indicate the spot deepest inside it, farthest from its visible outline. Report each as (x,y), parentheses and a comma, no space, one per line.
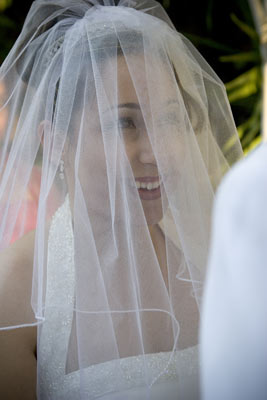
(166,3)
(223,32)
(247,85)
(248,30)
(5,4)
(240,58)
(245,89)
(211,43)
(6,25)
(244,85)
(6,42)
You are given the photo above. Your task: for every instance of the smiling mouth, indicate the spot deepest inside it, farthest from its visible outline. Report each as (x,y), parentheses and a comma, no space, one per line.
(148,183)
(148,187)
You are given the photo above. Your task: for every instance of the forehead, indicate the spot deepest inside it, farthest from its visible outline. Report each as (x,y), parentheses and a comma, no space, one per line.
(139,80)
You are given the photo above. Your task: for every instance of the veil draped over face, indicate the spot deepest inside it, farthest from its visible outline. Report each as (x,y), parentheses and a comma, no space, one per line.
(117,135)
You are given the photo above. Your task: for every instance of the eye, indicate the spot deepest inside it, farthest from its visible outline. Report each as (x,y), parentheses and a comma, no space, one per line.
(170,118)
(126,123)
(123,124)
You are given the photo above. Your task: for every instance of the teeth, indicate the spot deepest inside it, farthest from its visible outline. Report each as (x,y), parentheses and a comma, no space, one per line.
(147,185)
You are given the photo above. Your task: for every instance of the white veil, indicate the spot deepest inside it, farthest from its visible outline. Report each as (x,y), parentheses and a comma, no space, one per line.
(103,98)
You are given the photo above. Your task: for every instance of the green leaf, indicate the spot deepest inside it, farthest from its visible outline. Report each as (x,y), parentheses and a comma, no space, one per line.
(6,22)
(166,3)
(253,144)
(248,30)
(251,134)
(5,4)
(243,92)
(231,142)
(252,75)
(249,56)
(209,16)
(199,40)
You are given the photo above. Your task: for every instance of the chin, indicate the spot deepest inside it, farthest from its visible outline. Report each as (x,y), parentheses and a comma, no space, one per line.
(153,214)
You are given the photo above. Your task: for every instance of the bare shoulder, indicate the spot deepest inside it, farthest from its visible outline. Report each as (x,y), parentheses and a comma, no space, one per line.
(16,281)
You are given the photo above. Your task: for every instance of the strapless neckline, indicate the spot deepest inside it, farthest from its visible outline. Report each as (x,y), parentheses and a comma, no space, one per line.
(173,373)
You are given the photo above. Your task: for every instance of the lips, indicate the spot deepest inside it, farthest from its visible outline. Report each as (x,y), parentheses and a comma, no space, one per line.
(148,179)
(149,193)
(146,194)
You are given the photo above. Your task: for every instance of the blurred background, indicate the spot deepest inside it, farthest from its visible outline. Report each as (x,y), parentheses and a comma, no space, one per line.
(223,31)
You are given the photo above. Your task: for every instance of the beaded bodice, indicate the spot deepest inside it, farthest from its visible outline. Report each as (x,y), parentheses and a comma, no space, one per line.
(179,380)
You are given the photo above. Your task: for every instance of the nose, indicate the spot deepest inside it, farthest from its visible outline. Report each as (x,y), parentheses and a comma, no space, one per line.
(145,151)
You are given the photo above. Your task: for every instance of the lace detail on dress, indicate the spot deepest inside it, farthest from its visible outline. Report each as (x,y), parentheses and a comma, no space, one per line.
(116,376)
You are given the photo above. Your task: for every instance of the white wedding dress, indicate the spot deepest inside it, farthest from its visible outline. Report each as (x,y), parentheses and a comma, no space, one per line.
(179,380)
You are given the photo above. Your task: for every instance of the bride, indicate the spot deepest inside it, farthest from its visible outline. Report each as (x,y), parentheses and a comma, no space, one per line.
(132,132)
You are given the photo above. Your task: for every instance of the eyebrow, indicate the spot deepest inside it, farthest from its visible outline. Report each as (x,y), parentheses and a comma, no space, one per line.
(170,102)
(136,106)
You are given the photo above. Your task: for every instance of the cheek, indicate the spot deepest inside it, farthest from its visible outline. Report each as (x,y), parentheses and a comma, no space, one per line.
(131,151)
(92,161)
(85,160)
(3,121)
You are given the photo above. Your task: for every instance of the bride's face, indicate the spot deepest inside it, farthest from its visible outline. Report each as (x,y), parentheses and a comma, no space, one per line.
(121,142)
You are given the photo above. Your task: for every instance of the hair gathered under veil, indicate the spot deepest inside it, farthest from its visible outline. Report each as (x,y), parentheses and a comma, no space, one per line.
(126,131)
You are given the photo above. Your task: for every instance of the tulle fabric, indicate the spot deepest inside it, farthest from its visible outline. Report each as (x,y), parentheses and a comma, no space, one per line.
(99,95)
